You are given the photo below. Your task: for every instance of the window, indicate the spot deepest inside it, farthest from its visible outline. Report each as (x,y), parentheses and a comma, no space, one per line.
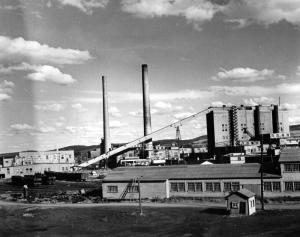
(289,186)
(297,186)
(292,167)
(231,186)
(195,187)
(268,186)
(227,186)
(213,187)
(234,205)
(209,187)
(178,187)
(276,187)
(112,189)
(133,189)
(235,186)
(217,187)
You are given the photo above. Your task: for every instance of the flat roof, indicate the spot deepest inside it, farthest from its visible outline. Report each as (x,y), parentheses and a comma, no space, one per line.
(187,172)
(290,155)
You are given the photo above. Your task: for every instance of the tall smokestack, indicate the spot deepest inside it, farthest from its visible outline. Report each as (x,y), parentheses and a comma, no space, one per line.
(146,100)
(105,116)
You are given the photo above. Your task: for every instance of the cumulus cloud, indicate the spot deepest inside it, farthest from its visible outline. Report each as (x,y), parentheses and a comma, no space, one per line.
(85,6)
(31,130)
(55,107)
(78,107)
(263,12)
(219,104)
(48,73)
(6,90)
(19,50)
(136,113)
(114,112)
(245,75)
(259,101)
(283,88)
(196,11)
(288,106)
(239,13)
(117,124)
(294,120)
(182,115)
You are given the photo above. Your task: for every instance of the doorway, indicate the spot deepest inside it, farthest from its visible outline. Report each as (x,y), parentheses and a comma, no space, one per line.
(242,207)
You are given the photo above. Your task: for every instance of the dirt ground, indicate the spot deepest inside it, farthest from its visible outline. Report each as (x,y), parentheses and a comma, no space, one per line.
(118,220)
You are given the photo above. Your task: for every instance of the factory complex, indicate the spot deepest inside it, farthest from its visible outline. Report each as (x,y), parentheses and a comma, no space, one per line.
(246,147)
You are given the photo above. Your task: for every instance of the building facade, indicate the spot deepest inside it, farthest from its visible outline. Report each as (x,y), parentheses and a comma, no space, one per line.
(28,163)
(233,126)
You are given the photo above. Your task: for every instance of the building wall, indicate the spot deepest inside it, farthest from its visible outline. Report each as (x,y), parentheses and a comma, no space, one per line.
(148,190)
(283,119)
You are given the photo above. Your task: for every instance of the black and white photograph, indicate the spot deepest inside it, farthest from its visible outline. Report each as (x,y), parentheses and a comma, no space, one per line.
(150,118)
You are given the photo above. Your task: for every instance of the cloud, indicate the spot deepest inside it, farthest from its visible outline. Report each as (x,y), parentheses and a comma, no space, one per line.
(219,104)
(264,12)
(6,89)
(182,115)
(244,74)
(114,112)
(136,113)
(294,120)
(85,6)
(50,107)
(31,130)
(283,88)
(239,13)
(196,11)
(259,101)
(289,106)
(117,124)
(18,50)
(161,108)
(78,107)
(48,73)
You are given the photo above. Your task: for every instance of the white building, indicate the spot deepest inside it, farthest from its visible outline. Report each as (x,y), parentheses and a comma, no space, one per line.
(27,163)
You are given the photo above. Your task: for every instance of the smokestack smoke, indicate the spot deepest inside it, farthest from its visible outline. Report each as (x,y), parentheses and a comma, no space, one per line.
(146,100)
(105,116)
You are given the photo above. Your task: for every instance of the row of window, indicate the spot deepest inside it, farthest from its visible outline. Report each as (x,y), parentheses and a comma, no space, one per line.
(292,167)
(292,186)
(214,187)
(198,186)
(272,186)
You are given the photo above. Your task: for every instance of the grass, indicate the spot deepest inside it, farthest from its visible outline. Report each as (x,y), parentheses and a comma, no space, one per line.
(125,221)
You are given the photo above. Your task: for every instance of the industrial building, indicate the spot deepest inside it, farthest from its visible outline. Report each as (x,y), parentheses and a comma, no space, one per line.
(28,163)
(233,127)
(211,180)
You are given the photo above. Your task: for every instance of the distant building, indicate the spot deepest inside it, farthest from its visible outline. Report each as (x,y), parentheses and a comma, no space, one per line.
(233,126)
(27,163)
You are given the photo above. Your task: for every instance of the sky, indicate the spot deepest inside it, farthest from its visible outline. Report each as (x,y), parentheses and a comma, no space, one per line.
(200,53)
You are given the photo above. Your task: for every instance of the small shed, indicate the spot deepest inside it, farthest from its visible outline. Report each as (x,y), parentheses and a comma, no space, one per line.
(241,202)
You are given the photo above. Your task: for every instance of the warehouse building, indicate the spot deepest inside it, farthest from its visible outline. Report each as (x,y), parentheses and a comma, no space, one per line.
(184,181)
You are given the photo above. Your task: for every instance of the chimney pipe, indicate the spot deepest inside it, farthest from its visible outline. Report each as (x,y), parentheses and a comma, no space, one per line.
(105,116)
(146,100)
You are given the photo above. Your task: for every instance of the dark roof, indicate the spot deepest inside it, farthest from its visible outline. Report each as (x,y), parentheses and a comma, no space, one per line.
(243,192)
(218,171)
(290,155)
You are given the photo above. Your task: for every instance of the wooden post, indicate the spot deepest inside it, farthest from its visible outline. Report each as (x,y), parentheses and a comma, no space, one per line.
(140,198)
(262,174)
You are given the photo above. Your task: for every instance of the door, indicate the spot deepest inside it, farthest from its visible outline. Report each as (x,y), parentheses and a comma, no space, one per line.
(242,207)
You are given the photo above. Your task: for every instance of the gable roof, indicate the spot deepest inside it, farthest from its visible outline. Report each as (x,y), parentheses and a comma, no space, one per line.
(290,155)
(214,171)
(242,192)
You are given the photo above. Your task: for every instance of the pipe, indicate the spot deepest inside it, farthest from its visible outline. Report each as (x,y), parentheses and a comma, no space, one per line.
(275,118)
(105,116)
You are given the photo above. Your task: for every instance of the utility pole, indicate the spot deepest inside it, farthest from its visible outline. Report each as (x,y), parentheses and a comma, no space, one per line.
(140,197)
(262,174)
